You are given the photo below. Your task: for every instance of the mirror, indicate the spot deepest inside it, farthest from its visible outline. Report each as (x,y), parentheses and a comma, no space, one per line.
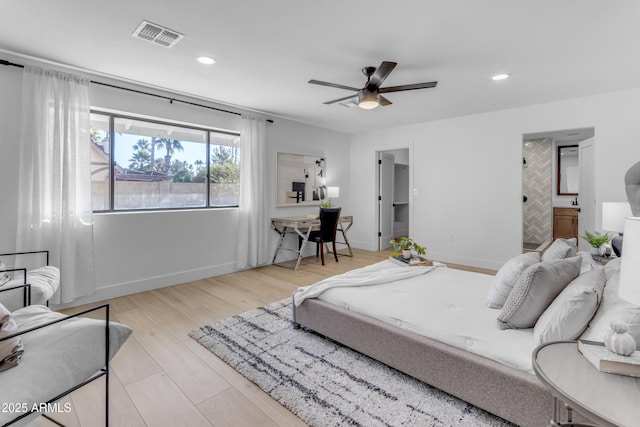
(301,179)
(568,171)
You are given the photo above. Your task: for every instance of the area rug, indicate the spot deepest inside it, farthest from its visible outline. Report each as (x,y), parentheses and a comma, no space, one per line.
(325,383)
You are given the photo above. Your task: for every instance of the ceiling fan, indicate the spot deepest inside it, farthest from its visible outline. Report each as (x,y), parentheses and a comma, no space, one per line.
(369,96)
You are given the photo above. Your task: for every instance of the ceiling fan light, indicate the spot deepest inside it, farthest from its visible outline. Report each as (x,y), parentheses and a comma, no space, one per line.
(368,100)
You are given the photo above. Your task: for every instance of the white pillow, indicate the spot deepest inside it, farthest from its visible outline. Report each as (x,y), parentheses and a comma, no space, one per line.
(613,307)
(536,289)
(569,314)
(587,262)
(44,282)
(507,277)
(561,249)
(11,350)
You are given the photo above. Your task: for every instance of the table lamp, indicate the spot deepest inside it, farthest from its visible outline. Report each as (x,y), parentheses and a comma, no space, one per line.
(333,192)
(629,288)
(613,216)
(630,265)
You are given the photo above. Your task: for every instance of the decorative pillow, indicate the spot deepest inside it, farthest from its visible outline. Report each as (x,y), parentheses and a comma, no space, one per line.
(10,350)
(613,307)
(44,282)
(536,288)
(587,262)
(561,249)
(4,276)
(507,277)
(569,314)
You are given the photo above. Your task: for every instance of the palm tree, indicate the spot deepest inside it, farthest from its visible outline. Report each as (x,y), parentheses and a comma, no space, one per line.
(171,146)
(139,161)
(141,145)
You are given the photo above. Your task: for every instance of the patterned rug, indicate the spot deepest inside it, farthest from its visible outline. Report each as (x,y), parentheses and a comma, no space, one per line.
(325,383)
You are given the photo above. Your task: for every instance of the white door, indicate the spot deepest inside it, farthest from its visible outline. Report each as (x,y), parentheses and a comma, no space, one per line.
(587,194)
(385,199)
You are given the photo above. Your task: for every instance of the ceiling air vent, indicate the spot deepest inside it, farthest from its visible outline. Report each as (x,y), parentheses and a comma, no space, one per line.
(157,34)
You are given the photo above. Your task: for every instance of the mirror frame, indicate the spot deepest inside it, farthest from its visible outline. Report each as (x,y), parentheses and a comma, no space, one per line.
(559,173)
(308,171)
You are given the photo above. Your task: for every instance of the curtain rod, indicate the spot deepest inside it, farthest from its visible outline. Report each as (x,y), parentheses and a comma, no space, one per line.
(170,99)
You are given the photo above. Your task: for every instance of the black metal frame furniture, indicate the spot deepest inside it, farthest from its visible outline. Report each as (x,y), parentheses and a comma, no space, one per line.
(101,372)
(25,285)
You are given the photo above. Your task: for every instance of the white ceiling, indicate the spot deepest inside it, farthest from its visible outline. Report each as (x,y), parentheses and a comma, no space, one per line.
(268,50)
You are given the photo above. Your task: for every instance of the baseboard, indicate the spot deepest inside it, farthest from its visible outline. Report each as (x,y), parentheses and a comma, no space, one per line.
(148,284)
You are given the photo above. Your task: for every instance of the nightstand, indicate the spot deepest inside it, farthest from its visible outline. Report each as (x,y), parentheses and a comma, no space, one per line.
(608,399)
(601,259)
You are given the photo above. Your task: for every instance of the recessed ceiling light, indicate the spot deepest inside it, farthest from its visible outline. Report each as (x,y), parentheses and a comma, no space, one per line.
(207,60)
(500,77)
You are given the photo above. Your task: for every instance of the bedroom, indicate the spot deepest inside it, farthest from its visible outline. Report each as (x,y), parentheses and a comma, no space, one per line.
(481,198)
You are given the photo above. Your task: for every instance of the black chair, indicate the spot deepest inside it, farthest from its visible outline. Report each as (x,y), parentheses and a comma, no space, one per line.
(329,218)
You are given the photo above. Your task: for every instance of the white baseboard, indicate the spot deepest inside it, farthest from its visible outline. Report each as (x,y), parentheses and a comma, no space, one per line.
(148,284)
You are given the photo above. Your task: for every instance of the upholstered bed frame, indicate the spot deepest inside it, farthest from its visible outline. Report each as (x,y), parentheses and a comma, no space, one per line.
(511,394)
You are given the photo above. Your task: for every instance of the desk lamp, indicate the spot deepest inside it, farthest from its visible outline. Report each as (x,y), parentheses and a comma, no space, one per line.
(613,215)
(629,289)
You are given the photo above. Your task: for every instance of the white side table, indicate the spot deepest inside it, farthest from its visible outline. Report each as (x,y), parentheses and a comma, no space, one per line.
(608,399)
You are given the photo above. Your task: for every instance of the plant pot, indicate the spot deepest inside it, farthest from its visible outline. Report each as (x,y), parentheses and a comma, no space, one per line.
(595,251)
(406,253)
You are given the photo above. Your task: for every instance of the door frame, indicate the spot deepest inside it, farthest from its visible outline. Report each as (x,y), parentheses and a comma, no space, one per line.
(377,150)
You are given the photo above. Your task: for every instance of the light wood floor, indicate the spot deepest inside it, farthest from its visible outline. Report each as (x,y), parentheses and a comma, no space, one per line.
(161,377)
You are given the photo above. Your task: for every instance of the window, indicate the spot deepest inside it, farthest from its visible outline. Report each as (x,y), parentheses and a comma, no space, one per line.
(142,164)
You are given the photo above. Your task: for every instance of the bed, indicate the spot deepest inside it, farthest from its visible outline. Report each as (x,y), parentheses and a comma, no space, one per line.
(437,327)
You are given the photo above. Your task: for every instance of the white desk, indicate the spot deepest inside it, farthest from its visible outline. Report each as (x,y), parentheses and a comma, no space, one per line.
(302,227)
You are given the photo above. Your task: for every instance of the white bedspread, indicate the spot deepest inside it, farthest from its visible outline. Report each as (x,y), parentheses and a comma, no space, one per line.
(375,274)
(447,305)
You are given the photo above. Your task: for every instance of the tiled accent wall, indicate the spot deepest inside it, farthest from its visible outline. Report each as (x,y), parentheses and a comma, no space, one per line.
(536,185)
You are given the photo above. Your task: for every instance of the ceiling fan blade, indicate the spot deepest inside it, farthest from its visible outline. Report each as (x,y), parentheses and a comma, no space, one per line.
(382,72)
(318,82)
(407,87)
(384,101)
(340,99)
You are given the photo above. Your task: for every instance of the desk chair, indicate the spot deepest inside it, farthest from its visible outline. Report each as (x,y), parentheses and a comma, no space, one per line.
(329,218)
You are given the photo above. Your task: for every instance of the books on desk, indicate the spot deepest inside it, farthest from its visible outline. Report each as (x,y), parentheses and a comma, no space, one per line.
(607,361)
(413,261)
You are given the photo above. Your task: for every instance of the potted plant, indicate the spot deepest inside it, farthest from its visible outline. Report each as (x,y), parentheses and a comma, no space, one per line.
(326,203)
(405,245)
(596,240)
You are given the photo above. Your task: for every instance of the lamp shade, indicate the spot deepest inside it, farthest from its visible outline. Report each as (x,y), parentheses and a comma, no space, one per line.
(630,268)
(333,192)
(613,215)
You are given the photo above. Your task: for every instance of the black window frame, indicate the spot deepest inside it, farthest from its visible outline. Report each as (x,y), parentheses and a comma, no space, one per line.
(112,163)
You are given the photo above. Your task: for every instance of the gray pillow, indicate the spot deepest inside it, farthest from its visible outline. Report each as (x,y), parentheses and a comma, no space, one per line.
(569,314)
(561,249)
(507,277)
(537,287)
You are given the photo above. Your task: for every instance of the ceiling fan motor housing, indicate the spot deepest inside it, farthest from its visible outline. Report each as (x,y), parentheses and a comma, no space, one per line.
(368,99)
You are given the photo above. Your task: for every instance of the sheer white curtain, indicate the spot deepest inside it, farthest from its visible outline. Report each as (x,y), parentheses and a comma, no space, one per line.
(253,222)
(55,177)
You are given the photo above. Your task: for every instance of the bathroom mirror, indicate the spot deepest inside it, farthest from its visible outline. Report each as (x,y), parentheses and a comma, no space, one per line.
(568,171)
(301,179)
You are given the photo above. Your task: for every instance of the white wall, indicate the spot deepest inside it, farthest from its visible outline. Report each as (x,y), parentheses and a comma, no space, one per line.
(145,250)
(468,173)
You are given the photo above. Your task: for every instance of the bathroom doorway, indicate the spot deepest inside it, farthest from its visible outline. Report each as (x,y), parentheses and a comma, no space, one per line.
(549,201)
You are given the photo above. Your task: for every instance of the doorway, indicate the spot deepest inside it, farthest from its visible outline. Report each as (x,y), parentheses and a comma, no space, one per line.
(546,200)
(393,195)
